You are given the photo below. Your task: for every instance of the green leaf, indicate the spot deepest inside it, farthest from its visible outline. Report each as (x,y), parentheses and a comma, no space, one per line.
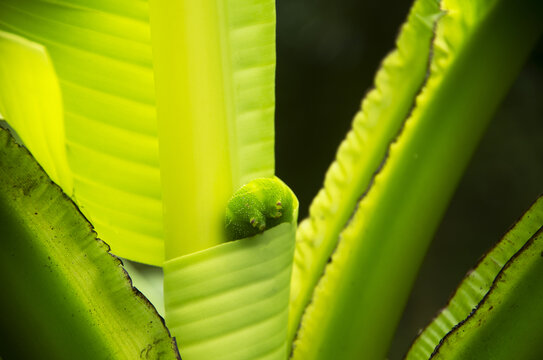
(508,322)
(101,52)
(149,280)
(215,66)
(496,312)
(359,156)
(63,295)
(36,114)
(360,295)
(231,301)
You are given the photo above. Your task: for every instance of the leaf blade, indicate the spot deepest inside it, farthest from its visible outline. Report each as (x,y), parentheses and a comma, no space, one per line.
(475,292)
(26,65)
(101,53)
(242,287)
(394,221)
(60,281)
(361,154)
(215,67)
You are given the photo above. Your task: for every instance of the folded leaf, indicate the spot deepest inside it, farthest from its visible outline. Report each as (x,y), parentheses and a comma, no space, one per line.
(215,68)
(231,301)
(509,322)
(362,291)
(360,155)
(63,295)
(476,321)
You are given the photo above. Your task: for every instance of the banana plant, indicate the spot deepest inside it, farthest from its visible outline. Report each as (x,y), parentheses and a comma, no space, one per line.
(157,120)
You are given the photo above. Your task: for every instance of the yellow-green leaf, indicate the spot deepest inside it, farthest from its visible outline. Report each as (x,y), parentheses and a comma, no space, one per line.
(101,53)
(30,98)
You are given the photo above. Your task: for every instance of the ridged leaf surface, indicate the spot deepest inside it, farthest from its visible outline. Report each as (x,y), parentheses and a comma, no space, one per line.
(101,52)
(231,301)
(359,297)
(485,287)
(359,156)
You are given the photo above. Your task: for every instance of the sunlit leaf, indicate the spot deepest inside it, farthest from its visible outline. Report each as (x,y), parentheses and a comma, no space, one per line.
(215,72)
(231,301)
(30,98)
(102,54)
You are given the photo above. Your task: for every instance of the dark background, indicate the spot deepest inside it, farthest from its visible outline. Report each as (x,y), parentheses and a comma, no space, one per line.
(327,55)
